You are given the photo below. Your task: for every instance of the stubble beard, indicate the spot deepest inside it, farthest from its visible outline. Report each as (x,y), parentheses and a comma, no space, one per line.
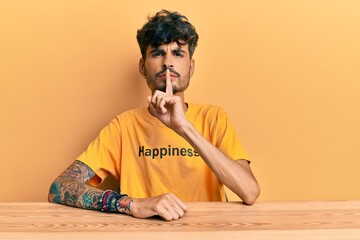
(153,84)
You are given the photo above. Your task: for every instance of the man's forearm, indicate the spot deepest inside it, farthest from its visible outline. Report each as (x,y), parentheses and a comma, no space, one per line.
(87,197)
(234,174)
(75,194)
(70,188)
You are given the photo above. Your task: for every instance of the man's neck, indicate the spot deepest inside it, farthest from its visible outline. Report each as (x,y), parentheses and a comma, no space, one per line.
(181,95)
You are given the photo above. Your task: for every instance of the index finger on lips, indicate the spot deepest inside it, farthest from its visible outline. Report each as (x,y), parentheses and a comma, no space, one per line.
(169,89)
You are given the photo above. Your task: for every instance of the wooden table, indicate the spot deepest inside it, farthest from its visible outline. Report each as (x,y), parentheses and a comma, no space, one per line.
(264,220)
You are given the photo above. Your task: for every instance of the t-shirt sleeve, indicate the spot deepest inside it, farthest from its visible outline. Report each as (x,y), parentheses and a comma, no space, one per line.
(103,154)
(227,140)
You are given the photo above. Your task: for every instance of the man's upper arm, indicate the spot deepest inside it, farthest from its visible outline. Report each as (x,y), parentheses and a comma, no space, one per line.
(246,165)
(78,171)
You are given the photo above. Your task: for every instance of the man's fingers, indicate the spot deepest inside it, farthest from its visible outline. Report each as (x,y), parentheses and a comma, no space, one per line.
(169,210)
(157,103)
(166,206)
(151,106)
(169,88)
(180,203)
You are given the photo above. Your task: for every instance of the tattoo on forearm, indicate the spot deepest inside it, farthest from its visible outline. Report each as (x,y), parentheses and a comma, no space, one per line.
(125,204)
(71,188)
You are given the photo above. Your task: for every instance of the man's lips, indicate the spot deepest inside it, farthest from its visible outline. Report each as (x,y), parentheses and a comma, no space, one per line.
(162,74)
(171,75)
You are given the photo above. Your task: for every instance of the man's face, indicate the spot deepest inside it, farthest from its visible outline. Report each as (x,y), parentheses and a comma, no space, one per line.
(170,56)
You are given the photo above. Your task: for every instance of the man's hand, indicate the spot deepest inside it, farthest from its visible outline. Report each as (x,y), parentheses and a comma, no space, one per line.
(167,107)
(167,206)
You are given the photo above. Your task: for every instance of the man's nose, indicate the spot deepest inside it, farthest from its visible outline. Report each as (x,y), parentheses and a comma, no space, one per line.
(167,62)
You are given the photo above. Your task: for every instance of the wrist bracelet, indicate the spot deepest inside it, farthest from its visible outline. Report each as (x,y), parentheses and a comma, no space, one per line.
(111,202)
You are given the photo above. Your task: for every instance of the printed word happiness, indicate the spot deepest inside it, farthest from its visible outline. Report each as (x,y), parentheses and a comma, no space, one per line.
(167,151)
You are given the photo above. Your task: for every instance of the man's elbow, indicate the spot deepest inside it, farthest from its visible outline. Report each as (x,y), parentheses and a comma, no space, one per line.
(54,192)
(250,197)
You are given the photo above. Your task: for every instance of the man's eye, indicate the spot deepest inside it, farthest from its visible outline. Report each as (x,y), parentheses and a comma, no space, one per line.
(178,54)
(158,54)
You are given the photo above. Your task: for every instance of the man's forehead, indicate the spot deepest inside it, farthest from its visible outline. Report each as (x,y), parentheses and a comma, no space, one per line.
(172,46)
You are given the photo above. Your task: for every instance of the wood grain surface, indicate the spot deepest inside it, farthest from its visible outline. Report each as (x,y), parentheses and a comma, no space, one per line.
(213,220)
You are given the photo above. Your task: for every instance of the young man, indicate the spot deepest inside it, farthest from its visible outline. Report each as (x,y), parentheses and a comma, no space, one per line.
(166,153)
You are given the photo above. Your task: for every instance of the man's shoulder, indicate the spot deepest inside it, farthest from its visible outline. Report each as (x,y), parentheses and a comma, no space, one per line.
(205,109)
(135,111)
(132,113)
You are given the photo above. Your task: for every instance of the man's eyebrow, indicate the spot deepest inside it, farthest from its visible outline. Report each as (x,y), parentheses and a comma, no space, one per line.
(177,50)
(157,50)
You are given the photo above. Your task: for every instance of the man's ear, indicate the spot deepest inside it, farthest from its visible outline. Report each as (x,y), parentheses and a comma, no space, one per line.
(142,67)
(192,67)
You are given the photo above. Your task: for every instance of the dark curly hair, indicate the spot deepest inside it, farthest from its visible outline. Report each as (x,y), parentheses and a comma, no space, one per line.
(166,27)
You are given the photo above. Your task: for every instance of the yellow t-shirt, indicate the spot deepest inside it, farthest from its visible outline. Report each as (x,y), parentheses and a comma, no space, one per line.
(150,159)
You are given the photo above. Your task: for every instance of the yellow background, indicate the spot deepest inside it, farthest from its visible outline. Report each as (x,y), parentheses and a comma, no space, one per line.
(287,72)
